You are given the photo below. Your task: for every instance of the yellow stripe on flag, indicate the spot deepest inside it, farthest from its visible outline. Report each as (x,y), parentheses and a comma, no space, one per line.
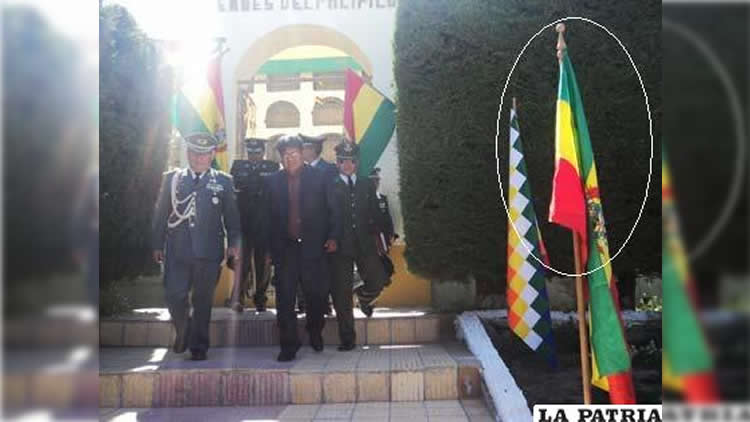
(668,378)
(566,138)
(365,106)
(201,97)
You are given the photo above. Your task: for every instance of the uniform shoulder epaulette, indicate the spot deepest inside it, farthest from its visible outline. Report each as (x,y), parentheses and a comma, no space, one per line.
(223,175)
(237,164)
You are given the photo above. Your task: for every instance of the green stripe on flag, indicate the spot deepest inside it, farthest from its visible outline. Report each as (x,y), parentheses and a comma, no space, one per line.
(607,336)
(187,119)
(377,136)
(684,345)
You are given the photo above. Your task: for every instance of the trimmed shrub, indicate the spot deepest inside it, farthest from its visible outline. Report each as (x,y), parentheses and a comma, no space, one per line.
(452,58)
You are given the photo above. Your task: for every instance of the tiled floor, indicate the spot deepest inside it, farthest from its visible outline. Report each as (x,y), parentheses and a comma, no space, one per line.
(428,411)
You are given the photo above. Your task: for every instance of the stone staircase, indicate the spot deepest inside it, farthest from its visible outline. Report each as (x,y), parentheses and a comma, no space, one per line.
(388,326)
(403,355)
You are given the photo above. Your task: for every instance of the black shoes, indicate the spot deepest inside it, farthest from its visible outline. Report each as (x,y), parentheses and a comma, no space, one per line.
(180,340)
(198,355)
(261,307)
(316,343)
(367,309)
(345,347)
(288,355)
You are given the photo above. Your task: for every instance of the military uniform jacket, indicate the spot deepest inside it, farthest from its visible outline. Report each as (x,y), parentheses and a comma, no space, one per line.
(359,215)
(216,216)
(329,170)
(250,185)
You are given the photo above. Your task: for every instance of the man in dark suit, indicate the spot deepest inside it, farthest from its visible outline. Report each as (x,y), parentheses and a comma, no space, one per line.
(195,208)
(312,147)
(359,216)
(304,227)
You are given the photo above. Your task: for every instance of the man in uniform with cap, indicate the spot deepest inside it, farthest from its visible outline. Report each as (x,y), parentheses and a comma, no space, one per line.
(196,208)
(312,147)
(359,216)
(304,228)
(249,184)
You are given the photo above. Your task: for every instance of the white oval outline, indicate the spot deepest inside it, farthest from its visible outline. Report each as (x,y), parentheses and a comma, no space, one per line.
(650,162)
(739,129)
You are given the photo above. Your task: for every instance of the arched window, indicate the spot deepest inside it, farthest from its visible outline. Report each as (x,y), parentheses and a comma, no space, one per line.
(282,114)
(328,111)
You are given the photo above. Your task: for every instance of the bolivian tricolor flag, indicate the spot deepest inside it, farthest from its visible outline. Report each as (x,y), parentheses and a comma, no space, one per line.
(687,363)
(576,204)
(199,107)
(369,120)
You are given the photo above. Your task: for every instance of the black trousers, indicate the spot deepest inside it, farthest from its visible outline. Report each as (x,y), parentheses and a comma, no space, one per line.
(200,275)
(313,276)
(252,248)
(370,270)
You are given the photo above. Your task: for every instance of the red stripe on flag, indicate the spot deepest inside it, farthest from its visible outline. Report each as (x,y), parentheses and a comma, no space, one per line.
(701,388)
(213,74)
(621,389)
(568,206)
(353,85)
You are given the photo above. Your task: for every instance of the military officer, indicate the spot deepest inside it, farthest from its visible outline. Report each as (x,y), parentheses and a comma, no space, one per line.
(312,147)
(359,216)
(252,194)
(195,210)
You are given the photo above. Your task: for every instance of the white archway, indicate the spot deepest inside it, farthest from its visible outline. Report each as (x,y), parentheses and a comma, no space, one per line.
(292,36)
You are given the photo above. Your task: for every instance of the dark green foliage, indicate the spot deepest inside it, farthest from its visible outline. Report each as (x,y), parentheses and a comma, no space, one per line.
(700,137)
(134,128)
(452,58)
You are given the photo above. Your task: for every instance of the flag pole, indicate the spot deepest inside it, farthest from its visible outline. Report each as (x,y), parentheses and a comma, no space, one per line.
(583,337)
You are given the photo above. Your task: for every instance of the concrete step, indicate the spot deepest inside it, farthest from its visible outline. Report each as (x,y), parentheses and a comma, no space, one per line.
(439,410)
(152,327)
(251,376)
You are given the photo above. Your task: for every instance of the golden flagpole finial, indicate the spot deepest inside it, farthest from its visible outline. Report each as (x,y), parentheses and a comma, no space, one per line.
(560,29)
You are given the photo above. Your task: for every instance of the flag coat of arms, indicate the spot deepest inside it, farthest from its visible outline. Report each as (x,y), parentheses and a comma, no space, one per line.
(576,204)
(369,120)
(526,293)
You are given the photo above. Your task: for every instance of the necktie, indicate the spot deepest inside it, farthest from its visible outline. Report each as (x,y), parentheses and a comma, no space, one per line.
(351,183)
(196,178)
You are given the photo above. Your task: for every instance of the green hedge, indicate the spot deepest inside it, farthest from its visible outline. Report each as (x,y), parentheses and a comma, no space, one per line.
(134,131)
(452,58)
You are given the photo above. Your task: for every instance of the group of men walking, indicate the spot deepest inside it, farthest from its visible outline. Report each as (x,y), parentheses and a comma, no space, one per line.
(311,220)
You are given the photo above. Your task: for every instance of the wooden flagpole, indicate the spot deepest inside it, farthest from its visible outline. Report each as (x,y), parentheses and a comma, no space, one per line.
(583,337)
